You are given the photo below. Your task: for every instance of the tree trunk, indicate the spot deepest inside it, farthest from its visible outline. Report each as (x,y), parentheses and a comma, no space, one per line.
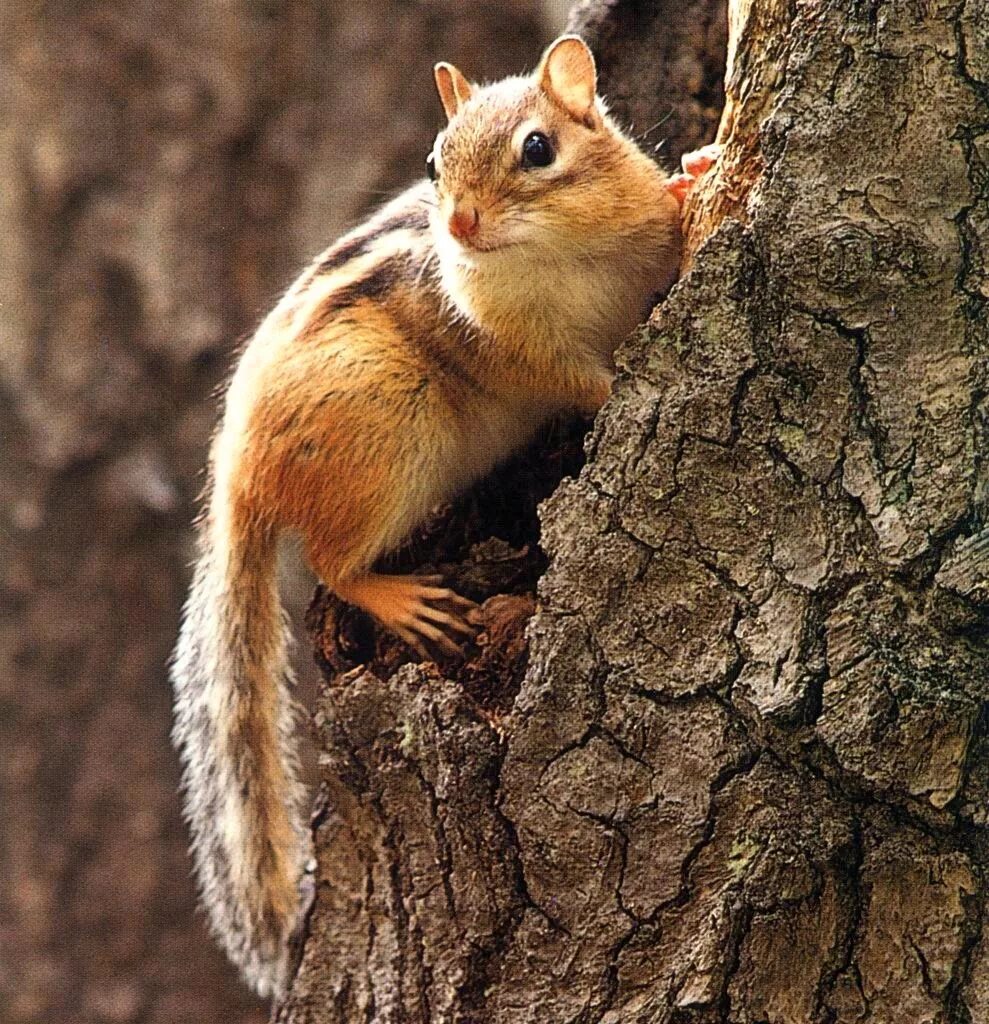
(166,168)
(742,776)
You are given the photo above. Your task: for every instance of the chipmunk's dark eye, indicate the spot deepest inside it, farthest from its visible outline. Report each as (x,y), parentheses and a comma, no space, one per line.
(431,167)
(537,150)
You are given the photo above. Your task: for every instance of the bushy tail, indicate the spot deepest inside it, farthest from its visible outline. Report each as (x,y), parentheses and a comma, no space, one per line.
(233,728)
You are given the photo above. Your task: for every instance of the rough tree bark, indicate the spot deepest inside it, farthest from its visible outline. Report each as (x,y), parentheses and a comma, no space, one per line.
(743,776)
(166,167)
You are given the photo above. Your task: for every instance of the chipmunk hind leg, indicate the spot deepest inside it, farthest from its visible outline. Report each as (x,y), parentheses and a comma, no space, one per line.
(349,527)
(417,609)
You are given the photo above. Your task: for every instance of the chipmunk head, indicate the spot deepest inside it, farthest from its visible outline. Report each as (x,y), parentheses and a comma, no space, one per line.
(532,166)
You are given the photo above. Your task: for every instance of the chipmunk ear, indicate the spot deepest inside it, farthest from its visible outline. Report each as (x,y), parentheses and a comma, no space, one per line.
(567,75)
(453,88)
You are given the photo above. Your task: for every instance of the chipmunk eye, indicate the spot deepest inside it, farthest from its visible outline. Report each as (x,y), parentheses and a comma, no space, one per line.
(537,150)
(431,167)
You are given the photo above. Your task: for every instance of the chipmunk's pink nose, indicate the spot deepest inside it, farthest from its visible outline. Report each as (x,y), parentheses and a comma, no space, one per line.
(464,221)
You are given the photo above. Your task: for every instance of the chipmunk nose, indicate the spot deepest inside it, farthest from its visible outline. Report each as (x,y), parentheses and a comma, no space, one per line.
(464,220)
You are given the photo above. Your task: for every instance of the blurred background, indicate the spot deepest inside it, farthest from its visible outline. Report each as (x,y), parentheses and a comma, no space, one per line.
(166,168)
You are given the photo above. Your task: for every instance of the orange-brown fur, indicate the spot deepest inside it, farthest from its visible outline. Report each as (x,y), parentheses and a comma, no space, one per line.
(402,365)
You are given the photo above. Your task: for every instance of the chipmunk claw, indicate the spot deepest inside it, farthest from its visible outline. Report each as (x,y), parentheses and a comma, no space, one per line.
(694,165)
(700,160)
(417,609)
(432,614)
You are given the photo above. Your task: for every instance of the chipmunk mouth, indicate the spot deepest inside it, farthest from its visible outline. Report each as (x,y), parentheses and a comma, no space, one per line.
(476,249)
(483,245)
(477,245)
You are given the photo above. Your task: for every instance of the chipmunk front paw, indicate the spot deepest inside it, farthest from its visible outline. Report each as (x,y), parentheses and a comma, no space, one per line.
(694,165)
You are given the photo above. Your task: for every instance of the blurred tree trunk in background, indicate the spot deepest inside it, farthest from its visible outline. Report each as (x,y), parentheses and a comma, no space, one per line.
(165,168)
(744,776)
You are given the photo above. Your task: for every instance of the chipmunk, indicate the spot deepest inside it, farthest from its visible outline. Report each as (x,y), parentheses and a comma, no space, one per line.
(411,357)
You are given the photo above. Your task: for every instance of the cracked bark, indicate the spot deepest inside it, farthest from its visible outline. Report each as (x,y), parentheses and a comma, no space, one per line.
(741,773)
